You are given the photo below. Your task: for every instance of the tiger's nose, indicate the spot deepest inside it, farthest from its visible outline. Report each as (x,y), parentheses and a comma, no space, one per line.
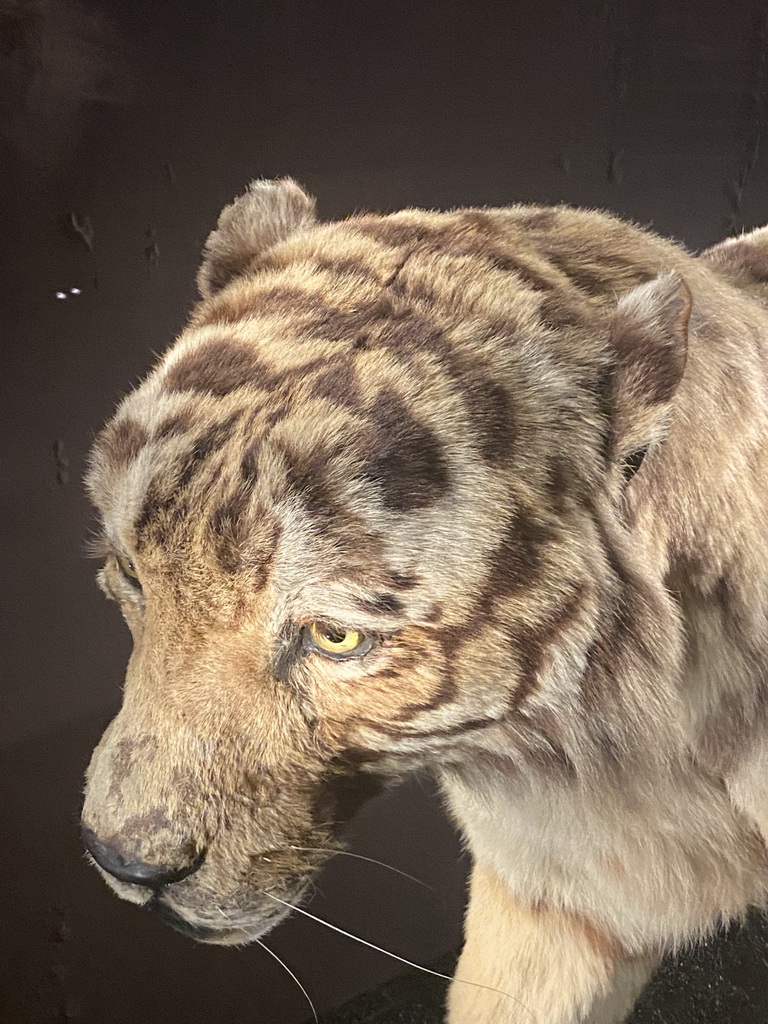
(125,868)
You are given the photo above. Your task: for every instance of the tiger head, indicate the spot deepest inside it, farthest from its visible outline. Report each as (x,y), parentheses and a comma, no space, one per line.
(370,514)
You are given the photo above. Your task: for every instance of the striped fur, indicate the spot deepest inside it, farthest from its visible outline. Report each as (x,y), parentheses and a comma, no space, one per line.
(524,449)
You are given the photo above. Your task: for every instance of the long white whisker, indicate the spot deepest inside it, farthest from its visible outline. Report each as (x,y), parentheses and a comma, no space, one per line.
(288,969)
(371,860)
(402,959)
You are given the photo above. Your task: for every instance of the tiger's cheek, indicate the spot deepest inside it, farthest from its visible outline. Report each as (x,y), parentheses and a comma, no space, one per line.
(395,688)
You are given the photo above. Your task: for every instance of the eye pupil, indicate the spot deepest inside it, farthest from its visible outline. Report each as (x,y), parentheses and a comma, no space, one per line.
(334,636)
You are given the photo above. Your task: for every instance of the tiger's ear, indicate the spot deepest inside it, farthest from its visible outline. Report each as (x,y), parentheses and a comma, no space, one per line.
(268,213)
(649,336)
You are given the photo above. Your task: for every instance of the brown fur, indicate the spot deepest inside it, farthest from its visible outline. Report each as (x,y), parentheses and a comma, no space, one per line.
(524,450)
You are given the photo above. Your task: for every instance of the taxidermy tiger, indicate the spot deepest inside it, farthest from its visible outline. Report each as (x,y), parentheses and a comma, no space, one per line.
(482,492)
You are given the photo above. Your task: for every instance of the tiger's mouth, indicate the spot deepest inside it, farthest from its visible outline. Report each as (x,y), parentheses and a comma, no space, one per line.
(194,910)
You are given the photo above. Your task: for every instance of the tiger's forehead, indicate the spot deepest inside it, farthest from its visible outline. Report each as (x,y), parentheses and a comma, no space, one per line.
(361,402)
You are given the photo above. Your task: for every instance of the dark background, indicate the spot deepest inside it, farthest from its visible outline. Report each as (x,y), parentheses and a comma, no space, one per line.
(144,117)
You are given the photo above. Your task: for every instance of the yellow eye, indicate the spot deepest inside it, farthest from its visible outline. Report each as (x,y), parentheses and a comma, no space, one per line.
(127,568)
(338,642)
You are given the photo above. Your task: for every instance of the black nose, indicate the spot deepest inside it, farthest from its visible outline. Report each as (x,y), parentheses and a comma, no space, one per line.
(113,860)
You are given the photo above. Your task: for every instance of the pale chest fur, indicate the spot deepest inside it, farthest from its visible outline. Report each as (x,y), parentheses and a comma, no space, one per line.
(653,860)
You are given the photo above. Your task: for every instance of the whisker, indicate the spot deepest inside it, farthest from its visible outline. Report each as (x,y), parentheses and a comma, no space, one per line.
(288,969)
(402,959)
(371,860)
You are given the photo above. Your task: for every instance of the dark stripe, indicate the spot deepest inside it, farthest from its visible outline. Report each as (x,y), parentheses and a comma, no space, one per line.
(516,561)
(408,465)
(493,419)
(338,385)
(178,423)
(592,280)
(121,442)
(308,477)
(386,604)
(230,530)
(154,503)
(249,464)
(403,581)
(274,300)
(532,643)
(397,733)
(217,367)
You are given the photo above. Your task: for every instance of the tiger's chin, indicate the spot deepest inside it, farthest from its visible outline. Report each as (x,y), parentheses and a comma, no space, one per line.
(218,928)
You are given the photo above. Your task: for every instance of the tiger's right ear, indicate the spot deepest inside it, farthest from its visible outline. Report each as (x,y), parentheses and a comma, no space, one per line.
(268,213)
(649,337)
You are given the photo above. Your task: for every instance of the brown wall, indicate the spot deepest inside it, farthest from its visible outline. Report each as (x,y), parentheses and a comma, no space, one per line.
(148,121)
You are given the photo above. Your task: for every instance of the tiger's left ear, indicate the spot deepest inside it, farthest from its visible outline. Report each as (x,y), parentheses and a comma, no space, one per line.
(267,214)
(649,336)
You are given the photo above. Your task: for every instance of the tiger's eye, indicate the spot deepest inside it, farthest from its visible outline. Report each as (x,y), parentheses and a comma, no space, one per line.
(127,568)
(338,642)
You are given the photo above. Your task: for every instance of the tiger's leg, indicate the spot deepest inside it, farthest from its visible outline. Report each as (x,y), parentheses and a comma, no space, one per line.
(628,981)
(557,968)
